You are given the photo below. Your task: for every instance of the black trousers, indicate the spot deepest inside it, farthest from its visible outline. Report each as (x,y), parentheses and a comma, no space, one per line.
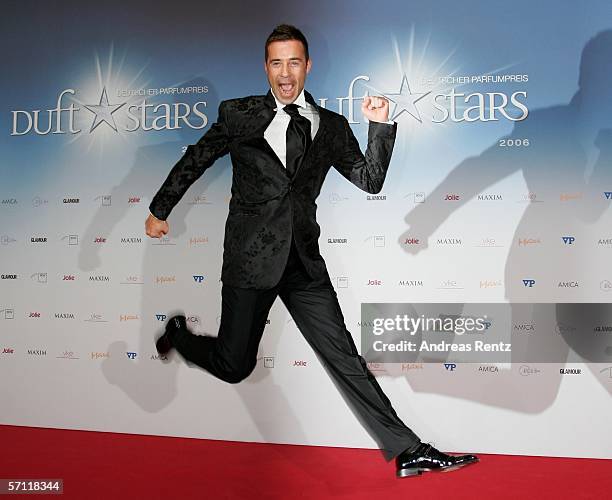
(232,355)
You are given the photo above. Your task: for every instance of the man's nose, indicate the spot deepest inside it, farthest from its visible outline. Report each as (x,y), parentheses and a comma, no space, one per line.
(285,70)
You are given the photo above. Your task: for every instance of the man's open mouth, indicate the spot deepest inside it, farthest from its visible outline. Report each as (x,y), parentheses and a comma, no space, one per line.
(286,88)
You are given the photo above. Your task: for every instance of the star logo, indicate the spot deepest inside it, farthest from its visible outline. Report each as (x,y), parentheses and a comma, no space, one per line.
(103,112)
(405,101)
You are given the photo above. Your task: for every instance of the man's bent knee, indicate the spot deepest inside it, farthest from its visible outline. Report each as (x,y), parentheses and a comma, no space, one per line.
(236,375)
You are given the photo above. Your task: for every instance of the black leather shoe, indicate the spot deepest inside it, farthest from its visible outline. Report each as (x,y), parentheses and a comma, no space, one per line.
(164,343)
(427,458)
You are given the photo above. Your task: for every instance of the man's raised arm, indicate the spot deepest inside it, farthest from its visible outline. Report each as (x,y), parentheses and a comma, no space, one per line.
(368,171)
(197,158)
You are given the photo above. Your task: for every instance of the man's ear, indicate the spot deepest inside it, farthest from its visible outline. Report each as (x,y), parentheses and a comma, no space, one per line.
(308,65)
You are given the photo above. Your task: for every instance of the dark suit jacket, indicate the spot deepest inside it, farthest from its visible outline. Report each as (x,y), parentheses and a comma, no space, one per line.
(267,206)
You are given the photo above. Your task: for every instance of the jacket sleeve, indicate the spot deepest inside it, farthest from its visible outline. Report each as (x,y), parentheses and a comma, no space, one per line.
(197,158)
(368,171)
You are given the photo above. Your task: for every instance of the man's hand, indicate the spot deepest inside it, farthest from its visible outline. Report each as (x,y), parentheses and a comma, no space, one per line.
(156,228)
(375,108)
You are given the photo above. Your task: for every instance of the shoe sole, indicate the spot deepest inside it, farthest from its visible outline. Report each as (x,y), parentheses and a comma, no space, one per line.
(409,472)
(418,471)
(157,343)
(161,352)
(177,326)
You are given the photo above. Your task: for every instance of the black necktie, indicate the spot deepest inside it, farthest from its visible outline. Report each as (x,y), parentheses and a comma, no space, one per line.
(298,138)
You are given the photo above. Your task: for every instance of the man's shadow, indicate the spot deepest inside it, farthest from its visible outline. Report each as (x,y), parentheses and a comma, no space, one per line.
(152,383)
(569,151)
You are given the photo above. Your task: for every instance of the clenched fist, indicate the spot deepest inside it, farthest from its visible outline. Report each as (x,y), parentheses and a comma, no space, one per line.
(156,228)
(375,108)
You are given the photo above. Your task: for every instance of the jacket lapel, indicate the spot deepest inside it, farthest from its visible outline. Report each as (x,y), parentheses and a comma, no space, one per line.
(262,117)
(265,114)
(320,131)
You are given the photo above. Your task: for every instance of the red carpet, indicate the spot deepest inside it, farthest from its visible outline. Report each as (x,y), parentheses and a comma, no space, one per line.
(109,465)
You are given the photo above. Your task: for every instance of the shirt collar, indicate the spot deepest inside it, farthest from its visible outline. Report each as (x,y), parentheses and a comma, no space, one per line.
(300,100)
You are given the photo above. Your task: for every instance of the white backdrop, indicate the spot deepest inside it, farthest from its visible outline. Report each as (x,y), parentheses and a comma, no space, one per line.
(498,191)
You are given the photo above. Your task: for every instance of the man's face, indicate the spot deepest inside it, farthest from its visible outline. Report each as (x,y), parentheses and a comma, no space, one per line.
(287,68)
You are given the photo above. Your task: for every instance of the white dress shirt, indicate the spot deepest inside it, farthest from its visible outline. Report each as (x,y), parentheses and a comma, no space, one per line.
(276,133)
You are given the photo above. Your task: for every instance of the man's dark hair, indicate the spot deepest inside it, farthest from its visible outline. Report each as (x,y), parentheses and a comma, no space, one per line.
(286,32)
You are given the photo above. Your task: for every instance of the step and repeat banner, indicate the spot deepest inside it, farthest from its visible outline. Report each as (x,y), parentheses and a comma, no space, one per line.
(477,283)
